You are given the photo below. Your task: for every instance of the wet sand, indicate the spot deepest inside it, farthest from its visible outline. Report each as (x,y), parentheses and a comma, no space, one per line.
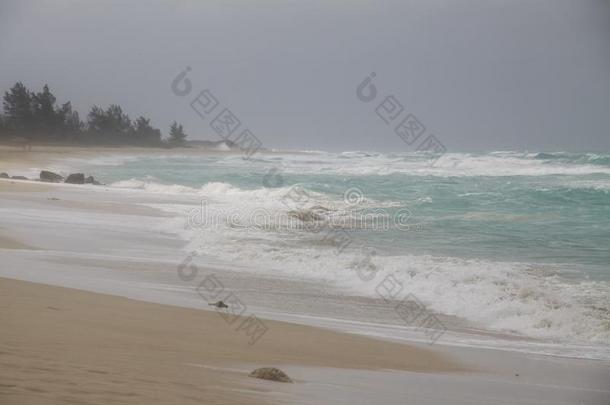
(60,345)
(63,345)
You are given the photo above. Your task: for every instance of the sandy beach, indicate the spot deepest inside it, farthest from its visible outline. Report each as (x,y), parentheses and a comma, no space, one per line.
(62,345)
(93,312)
(14,158)
(305,203)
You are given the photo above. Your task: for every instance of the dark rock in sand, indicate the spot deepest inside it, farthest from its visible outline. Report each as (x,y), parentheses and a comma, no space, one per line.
(220,304)
(50,177)
(19,178)
(305,215)
(4,176)
(91,180)
(76,178)
(270,373)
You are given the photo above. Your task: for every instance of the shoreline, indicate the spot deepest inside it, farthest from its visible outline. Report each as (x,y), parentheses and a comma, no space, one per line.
(118,254)
(375,320)
(138,207)
(124,345)
(145,204)
(42,156)
(62,344)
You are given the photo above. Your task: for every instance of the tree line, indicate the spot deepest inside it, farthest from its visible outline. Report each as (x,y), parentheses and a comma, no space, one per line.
(38,118)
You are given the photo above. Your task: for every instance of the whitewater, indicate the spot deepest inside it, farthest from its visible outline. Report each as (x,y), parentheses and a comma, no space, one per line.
(511,244)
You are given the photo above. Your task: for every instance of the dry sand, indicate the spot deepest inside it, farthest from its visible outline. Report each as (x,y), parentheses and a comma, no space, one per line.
(19,186)
(13,157)
(7,242)
(61,345)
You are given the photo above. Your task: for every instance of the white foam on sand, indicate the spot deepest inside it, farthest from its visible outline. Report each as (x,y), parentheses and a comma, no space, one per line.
(517,298)
(498,296)
(508,297)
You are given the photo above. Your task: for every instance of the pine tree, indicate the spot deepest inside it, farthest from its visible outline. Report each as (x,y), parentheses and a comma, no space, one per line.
(69,119)
(18,108)
(111,125)
(144,133)
(177,137)
(44,117)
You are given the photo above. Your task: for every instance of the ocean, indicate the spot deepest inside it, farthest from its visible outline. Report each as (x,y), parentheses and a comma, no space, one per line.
(506,242)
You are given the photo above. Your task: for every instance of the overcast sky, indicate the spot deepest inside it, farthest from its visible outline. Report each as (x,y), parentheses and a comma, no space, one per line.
(480,75)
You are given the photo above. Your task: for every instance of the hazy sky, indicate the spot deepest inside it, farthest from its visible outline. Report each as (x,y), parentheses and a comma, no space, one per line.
(480,75)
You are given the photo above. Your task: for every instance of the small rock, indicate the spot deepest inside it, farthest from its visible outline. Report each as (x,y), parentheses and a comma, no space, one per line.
(4,176)
(270,373)
(19,178)
(305,215)
(76,178)
(50,177)
(91,180)
(220,304)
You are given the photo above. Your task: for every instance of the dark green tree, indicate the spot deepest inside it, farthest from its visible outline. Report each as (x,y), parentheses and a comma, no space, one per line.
(118,119)
(37,116)
(110,126)
(71,127)
(96,119)
(70,120)
(44,117)
(177,137)
(17,107)
(144,133)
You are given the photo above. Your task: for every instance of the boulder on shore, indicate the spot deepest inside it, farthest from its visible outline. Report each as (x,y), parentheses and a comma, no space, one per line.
(91,180)
(19,178)
(50,177)
(76,178)
(4,176)
(271,373)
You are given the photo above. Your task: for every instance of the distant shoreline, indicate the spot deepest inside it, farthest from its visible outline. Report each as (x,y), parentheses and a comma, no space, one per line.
(13,157)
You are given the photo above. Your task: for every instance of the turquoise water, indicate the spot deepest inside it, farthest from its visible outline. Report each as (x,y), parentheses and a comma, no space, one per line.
(474,211)
(509,241)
